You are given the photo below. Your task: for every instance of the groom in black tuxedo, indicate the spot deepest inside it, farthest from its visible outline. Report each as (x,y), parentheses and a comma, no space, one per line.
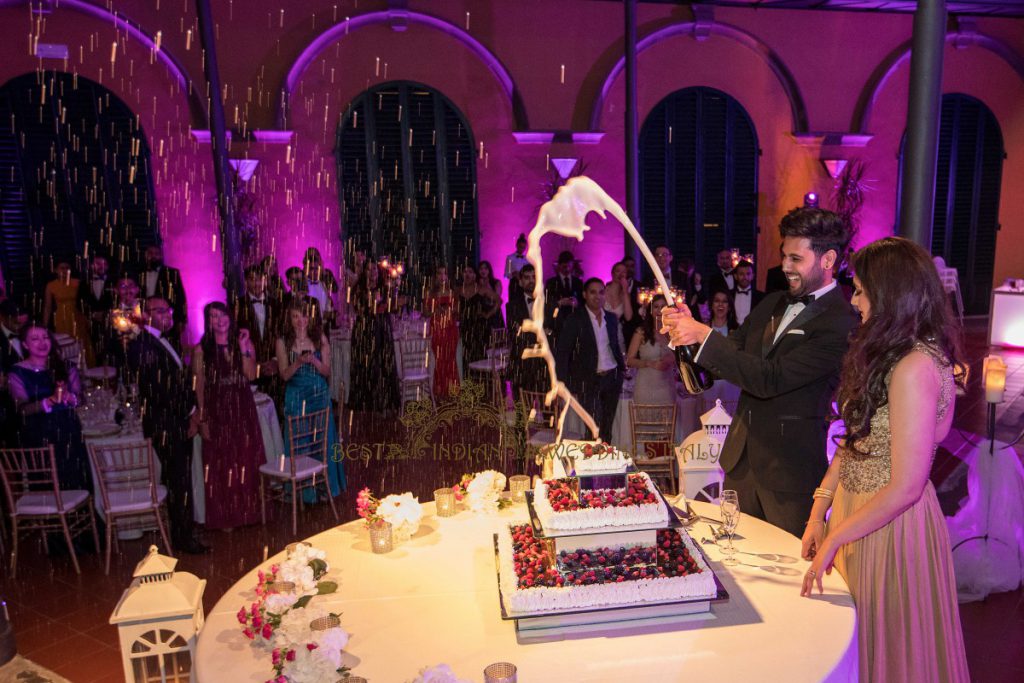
(786,358)
(169,418)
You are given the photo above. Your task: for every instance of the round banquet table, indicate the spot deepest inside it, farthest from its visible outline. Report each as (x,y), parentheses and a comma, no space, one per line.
(434,599)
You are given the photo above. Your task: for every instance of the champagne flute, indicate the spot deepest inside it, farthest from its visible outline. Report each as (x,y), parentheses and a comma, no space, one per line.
(730,508)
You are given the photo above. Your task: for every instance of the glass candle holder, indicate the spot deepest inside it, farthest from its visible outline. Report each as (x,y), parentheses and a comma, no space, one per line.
(500,672)
(519,484)
(380,537)
(281,587)
(444,501)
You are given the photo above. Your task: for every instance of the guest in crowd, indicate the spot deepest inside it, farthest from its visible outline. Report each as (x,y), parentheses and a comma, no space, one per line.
(96,299)
(675,279)
(374,374)
(359,256)
(320,283)
(275,289)
(46,390)
(744,296)
(655,361)
(439,305)
(514,262)
(60,309)
(263,317)
(616,295)
(297,285)
(169,416)
(11,352)
(887,535)
(723,279)
(127,299)
(563,293)
(696,292)
(224,363)
(304,363)
(722,317)
(474,326)
(490,287)
(785,358)
(523,373)
(161,280)
(589,358)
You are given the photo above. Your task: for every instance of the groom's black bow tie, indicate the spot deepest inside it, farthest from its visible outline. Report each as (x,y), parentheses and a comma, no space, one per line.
(745,292)
(805,299)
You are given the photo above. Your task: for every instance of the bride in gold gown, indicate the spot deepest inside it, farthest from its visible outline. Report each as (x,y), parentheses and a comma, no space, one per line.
(886,534)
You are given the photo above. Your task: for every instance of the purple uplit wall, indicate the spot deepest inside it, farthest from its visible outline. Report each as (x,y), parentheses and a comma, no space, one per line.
(531,67)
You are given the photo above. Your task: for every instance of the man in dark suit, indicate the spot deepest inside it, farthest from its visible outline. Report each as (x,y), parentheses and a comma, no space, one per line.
(589,359)
(786,359)
(663,255)
(96,296)
(526,374)
(263,316)
(165,282)
(563,294)
(723,279)
(169,416)
(745,297)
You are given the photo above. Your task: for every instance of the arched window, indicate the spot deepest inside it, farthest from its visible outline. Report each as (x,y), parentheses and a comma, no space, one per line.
(698,176)
(968,175)
(408,178)
(74,171)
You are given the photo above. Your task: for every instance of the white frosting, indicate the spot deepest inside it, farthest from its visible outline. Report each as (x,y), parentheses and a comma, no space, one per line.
(598,518)
(545,599)
(606,463)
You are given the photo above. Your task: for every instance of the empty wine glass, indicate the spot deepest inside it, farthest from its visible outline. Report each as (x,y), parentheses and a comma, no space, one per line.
(730,508)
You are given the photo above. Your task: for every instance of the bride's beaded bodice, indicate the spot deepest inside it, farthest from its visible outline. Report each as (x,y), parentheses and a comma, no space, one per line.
(867,473)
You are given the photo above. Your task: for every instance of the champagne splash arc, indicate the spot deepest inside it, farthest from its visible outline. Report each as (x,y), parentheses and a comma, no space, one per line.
(565,214)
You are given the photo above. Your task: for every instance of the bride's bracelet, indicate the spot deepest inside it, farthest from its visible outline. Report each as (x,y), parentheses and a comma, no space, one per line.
(822,492)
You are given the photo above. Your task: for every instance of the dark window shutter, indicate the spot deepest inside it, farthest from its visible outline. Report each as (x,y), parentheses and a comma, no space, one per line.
(76,172)
(407,166)
(698,176)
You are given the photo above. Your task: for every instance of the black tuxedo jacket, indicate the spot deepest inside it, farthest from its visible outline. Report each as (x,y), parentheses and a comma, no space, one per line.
(245,317)
(678,280)
(165,390)
(555,289)
(90,303)
(716,282)
(168,286)
(516,311)
(8,356)
(787,388)
(576,356)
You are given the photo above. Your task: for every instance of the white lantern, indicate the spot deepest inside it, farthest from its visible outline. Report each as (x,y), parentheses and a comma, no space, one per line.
(158,620)
(698,455)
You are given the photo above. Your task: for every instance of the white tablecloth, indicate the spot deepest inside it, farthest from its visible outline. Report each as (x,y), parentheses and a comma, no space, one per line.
(435,599)
(273,444)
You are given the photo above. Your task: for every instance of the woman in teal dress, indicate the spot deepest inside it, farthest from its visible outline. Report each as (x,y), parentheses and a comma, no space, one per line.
(304,361)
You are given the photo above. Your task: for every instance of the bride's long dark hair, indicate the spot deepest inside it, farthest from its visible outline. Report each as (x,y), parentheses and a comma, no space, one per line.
(908,305)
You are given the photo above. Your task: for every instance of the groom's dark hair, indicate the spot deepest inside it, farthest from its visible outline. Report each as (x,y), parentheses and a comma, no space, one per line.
(825,229)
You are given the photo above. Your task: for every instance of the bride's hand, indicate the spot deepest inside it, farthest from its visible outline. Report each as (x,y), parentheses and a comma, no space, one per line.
(813,535)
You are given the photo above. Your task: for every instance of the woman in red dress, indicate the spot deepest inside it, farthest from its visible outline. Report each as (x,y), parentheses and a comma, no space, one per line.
(444,333)
(224,363)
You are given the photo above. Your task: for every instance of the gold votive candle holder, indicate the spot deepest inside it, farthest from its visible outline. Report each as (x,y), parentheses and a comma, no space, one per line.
(519,484)
(281,587)
(380,537)
(444,501)
(500,672)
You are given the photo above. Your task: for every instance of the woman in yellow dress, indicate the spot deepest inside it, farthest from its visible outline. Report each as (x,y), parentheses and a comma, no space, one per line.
(887,535)
(61,302)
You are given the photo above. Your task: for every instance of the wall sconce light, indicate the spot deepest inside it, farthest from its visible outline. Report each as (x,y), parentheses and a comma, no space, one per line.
(834,167)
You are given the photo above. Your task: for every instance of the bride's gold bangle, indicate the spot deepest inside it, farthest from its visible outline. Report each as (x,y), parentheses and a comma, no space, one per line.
(821,492)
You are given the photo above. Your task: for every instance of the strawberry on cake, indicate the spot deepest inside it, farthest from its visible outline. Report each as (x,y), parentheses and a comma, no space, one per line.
(562,504)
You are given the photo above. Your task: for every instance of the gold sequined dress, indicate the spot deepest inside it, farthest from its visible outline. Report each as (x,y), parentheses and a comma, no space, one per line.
(901,575)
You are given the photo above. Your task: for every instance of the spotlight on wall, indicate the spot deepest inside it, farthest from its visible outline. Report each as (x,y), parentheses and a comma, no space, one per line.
(834,167)
(811,200)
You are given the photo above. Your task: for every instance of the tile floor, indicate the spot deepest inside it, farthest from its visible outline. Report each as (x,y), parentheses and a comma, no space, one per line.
(60,619)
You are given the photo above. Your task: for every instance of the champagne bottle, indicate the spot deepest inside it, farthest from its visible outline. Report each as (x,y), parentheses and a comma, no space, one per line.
(695,378)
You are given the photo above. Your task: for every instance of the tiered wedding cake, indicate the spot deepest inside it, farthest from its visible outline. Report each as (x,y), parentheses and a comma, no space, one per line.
(602,546)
